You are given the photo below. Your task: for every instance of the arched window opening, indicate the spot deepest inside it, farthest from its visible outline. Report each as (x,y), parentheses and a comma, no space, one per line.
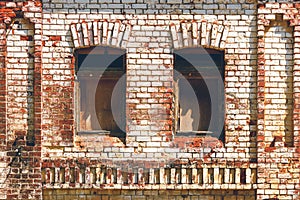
(100,91)
(197,73)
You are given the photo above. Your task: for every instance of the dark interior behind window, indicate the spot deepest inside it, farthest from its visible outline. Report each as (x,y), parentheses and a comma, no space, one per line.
(99,70)
(193,111)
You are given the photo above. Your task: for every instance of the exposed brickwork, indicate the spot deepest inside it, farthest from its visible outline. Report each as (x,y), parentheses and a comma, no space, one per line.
(272,137)
(20,97)
(58,76)
(42,152)
(3,107)
(209,35)
(21,171)
(7,12)
(150,194)
(196,7)
(100,33)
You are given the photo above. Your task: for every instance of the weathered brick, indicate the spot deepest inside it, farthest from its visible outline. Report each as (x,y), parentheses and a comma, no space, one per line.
(38,73)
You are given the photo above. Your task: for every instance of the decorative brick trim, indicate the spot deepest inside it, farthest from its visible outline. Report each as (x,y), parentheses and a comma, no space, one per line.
(102,32)
(203,33)
(73,174)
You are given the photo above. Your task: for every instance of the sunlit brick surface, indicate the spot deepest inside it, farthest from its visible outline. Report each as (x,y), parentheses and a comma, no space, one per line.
(44,153)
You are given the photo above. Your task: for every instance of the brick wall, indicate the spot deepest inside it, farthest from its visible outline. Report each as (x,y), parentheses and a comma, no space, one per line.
(280,54)
(196,7)
(43,151)
(273,155)
(150,194)
(21,148)
(20,96)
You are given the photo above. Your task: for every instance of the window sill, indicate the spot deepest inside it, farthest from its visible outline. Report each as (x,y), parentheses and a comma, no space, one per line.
(97,132)
(193,133)
(104,136)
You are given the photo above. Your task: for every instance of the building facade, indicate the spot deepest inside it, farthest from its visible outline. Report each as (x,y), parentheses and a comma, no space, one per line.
(135,99)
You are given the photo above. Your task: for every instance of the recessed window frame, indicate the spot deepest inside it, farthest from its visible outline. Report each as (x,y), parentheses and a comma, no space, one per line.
(107,74)
(193,75)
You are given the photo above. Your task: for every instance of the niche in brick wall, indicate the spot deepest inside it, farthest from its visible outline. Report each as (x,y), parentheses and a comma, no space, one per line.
(196,88)
(20,78)
(100,91)
(279,63)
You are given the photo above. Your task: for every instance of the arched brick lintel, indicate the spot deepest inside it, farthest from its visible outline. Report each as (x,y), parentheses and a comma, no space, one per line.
(106,33)
(194,34)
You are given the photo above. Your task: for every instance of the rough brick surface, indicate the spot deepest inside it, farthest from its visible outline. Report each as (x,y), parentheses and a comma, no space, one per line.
(274,140)
(150,194)
(42,150)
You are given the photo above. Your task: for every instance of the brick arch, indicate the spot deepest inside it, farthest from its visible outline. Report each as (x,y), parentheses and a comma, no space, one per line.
(101,32)
(203,33)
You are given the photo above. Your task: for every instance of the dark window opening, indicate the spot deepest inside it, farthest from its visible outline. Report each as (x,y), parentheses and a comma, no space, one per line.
(100,91)
(193,104)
